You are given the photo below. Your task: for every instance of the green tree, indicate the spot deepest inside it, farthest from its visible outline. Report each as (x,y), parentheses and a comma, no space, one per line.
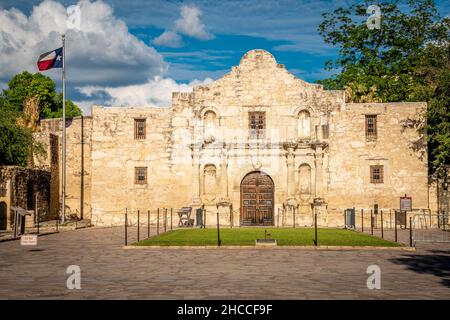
(72,109)
(25,85)
(17,144)
(406,60)
(15,141)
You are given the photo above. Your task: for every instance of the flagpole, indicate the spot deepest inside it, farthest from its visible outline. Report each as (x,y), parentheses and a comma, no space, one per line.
(63,217)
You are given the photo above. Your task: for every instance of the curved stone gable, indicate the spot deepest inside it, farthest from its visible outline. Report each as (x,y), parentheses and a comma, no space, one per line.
(260,80)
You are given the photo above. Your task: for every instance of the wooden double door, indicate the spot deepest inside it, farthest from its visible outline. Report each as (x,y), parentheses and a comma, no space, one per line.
(257,200)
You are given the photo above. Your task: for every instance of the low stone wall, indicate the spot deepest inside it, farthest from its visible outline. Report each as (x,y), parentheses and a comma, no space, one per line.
(27,188)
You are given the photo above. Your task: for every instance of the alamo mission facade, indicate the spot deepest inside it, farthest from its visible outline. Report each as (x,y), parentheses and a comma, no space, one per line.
(254,144)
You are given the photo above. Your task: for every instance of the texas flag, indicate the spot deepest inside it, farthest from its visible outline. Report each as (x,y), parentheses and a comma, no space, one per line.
(49,60)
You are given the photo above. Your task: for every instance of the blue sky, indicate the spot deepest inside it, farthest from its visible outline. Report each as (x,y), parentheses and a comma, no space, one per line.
(167,44)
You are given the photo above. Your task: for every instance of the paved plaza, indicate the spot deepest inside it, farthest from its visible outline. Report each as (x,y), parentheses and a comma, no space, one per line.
(110,272)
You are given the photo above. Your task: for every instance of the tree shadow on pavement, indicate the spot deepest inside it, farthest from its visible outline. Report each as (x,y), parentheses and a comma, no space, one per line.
(436,263)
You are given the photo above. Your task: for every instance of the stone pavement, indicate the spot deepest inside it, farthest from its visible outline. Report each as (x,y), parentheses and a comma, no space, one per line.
(110,272)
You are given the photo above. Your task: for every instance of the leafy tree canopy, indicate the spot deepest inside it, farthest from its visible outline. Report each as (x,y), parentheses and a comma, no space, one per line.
(16,139)
(407,59)
(26,85)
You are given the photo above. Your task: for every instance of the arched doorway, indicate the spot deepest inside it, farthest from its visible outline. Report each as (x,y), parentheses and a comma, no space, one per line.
(3,215)
(257,199)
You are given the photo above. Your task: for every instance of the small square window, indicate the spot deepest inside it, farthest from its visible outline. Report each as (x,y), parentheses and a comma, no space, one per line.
(140,175)
(376,174)
(139,129)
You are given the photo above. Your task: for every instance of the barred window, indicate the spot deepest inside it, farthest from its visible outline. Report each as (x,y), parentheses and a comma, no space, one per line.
(139,129)
(257,124)
(140,175)
(371,127)
(376,174)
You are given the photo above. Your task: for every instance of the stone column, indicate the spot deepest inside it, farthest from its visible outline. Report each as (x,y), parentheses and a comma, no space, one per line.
(290,164)
(223,205)
(319,167)
(196,200)
(224,176)
(320,206)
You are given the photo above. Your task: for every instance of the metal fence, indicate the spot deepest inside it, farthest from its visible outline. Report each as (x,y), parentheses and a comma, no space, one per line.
(142,224)
(25,223)
(409,227)
(430,228)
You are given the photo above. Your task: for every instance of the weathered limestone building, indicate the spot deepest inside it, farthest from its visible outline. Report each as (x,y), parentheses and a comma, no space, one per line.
(253,145)
(26,188)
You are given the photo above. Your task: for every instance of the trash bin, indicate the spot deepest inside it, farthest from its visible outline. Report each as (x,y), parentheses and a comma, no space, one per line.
(350,218)
(199,217)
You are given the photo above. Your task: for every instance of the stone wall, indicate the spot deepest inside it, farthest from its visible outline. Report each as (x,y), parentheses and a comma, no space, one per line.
(78,159)
(116,153)
(26,188)
(396,148)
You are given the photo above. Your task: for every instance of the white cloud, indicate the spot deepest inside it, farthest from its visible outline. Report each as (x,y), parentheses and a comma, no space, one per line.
(86,105)
(169,39)
(292,22)
(105,63)
(190,23)
(102,52)
(156,92)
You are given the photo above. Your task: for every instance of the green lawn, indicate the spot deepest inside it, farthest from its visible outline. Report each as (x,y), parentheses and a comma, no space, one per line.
(247,236)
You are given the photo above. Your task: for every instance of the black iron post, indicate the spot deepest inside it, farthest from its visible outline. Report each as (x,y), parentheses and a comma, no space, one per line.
(439,224)
(410,232)
(165,219)
(315,229)
(38,221)
(444,220)
(126,226)
(171,215)
(15,224)
(362,220)
(390,219)
(157,223)
(294,216)
(204,220)
(148,223)
(57,224)
(371,221)
(382,228)
(138,224)
(218,230)
(231,215)
(395,218)
(36,208)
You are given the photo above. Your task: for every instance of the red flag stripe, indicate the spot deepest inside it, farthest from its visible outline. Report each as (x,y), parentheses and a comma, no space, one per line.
(45,65)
